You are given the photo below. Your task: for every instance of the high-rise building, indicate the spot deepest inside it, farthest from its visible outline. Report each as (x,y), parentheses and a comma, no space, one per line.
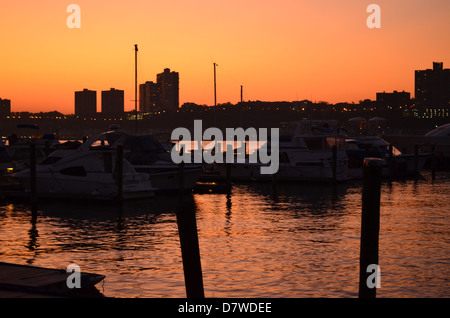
(113,102)
(149,97)
(162,95)
(432,87)
(169,85)
(85,102)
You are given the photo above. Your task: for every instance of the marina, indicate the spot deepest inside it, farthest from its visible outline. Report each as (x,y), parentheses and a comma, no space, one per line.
(302,241)
(306,151)
(160,229)
(224,157)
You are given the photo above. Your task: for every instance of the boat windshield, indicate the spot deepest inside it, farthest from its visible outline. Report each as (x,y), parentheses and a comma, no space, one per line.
(106,140)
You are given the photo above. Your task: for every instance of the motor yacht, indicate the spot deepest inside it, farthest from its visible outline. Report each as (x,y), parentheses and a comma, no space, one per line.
(88,172)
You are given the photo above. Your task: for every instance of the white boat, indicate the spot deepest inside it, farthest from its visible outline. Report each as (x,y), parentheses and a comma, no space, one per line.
(88,172)
(304,155)
(362,147)
(148,155)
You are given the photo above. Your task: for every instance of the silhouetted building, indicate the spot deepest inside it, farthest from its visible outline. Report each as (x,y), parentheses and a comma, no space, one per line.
(432,87)
(394,100)
(5,106)
(169,85)
(162,95)
(85,102)
(113,102)
(149,97)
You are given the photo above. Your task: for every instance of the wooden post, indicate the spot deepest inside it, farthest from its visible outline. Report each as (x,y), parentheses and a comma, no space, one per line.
(391,162)
(433,162)
(181,174)
(370,223)
(33,197)
(190,251)
(416,160)
(334,162)
(228,177)
(119,170)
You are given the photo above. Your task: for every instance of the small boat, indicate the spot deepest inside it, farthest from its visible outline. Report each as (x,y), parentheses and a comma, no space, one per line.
(362,147)
(88,172)
(27,281)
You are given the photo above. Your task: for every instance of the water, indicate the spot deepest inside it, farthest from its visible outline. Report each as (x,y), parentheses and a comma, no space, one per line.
(302,243)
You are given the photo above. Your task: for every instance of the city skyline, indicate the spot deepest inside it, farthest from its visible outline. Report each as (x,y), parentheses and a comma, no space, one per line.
(278,51)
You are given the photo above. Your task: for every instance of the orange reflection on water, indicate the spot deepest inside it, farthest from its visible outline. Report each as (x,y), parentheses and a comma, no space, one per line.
(302,242)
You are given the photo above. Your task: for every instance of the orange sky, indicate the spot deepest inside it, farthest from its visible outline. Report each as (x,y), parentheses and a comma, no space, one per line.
(278,50)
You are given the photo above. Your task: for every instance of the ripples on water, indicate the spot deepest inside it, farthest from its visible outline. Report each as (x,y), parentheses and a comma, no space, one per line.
(304,242)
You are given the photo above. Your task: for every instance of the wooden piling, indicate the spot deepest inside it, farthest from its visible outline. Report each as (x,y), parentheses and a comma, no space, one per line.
(391,162)
(334,162)
(416,160)
(33,188)
(228,177)
(190,250)
(181,175)
(119,170)
(370,223)
(433,162)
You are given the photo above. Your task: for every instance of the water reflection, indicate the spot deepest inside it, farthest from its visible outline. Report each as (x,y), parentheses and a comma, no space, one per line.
(301,242)
(33,234)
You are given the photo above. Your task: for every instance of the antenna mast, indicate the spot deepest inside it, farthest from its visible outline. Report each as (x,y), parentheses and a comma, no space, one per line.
(135,87)
(215,95)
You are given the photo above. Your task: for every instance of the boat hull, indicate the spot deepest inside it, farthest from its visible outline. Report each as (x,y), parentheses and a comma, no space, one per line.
(93,186)
(403,166)
(166,179)
(305,171)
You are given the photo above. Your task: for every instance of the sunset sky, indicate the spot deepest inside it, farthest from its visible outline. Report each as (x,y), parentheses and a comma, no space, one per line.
(283,50)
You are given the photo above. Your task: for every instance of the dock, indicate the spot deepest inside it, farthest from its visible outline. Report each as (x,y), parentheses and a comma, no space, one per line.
(31,282)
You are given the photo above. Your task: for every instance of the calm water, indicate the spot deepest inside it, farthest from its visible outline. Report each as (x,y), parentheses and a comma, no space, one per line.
(302,243)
